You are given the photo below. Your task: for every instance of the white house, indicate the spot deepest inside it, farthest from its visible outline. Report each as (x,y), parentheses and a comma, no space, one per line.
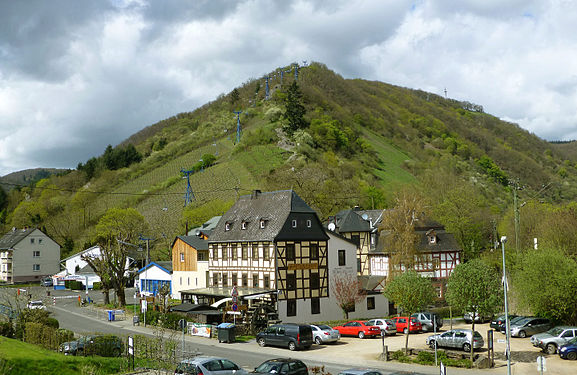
(153,276)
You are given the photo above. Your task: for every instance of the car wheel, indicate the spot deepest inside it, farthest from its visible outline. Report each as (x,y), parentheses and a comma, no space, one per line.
(292,346)
(432,344)
(405,330)
(261,342)
(361,335)
(572,356)
(551,348)
(467,347)
(318,340)
(522,334)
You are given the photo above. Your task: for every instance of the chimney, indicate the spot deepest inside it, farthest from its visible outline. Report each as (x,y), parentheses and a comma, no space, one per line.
(255,194)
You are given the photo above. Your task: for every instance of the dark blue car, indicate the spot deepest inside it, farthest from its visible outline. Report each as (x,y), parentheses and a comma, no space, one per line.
(569,350)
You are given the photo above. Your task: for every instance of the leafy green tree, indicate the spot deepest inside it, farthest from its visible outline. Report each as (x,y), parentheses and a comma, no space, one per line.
(294,109)
(234,96)
(117,228)
(543,281)
(493,170)
(410,292)
(475,287)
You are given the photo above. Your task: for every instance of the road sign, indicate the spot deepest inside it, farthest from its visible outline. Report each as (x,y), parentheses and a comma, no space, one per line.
(234,291)
(234,307)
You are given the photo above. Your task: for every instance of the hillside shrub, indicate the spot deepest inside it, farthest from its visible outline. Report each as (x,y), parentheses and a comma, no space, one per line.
(7,329)
(45,336)
(164,320)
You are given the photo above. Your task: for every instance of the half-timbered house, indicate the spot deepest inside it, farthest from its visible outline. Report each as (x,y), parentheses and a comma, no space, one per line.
(272,241)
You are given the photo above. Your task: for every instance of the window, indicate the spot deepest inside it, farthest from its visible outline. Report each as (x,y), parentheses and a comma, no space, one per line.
(290,251)
(233,253)
(370,303)
(315,306)
(294,223)
(35,267)
(212,253)
(291,307)
(265,251)
(358,265)
(36,254)
(200,256)
(39,241)
(255,253)
(314,251)
(32,240)
(314,281)
(309,223)
(215,279)
(244,251)
(181,280)
(255,280)
(224,279)
(182,257)
(342,258)
(266,281)
(245,279)
(244,224)
(227,226)
(356,239)
(188,281)
(262,224)
(291,281)
(234,279)
(224,253)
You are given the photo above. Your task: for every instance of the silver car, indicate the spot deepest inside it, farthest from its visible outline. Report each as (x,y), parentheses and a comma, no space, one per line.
(429,321)
(209,366)
(529,326)
(387,325)
(458,339)
(325,334)
(554,338)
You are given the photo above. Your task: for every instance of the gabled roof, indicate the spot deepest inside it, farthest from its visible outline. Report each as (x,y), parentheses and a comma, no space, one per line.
(12,238)
(445,241)
(205,228)
(166,266)
(272,207)
(353,220)
(80,253)
(193,241)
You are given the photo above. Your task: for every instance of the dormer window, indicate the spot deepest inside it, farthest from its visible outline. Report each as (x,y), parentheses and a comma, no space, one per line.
(432,237)
(262,224)
(227,226)
(294,223)
(243,225)
(309,224)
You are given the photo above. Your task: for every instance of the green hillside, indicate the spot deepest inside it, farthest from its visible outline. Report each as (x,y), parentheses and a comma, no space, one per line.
(359,142)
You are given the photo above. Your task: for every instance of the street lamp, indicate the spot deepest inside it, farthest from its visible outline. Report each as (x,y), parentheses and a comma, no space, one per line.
(507,328)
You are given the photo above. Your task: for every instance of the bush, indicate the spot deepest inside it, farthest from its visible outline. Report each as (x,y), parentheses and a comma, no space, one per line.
(97,286)
(6,329)
(45,336)
(425,358)
(400,356)
(75,285)
(53,323)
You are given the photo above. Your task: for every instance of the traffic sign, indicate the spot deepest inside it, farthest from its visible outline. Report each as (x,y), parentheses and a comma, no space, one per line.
(234,291)
(234,307)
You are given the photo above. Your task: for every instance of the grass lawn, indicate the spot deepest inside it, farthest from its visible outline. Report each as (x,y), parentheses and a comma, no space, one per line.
(20,358)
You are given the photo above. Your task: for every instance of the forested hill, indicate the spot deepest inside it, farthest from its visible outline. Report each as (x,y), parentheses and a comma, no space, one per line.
(337,142)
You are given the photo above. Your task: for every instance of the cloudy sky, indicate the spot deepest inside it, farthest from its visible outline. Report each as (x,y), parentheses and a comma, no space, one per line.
(77,75)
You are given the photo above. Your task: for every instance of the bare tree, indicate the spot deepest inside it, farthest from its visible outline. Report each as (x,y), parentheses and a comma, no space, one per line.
(348,291)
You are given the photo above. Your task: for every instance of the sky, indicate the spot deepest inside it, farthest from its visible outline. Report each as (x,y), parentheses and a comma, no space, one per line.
(77,75)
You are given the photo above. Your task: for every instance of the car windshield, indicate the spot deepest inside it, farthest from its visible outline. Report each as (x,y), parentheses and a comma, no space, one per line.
(555,331)
(325,327)
(522,322)
(273,367)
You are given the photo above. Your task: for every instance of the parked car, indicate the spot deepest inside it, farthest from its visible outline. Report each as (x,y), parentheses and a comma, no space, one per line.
(292,336)
(36,305)
(478,318)
(511,322)
(358,328)
(102,345)
(47,281)
(360,371)
(529,326)
(500,321)
(209,366)
(457,338)
(429,320)
(388,326)
(322,334)
(282,366)
(569,350)
(401,323)
(554,338)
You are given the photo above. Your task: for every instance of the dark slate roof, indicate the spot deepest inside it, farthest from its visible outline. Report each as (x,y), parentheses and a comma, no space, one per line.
(190,307)
(205,228)
(445,241)
(351,220)
(274,207)
(12,238)
(194,241)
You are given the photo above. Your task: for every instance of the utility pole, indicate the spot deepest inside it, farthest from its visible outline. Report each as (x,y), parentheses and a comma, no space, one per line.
(146,269)
(507,326)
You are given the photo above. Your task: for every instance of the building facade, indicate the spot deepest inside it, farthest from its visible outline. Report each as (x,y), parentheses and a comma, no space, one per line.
(189,264)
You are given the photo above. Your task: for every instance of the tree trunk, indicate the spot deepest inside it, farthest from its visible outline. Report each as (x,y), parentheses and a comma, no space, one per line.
(473,337)
(106,294)
(121,296)
(407,334)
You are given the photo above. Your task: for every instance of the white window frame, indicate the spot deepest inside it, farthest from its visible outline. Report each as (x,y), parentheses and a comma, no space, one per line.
(36,267)
(294,223)
(309,223)
(36,254)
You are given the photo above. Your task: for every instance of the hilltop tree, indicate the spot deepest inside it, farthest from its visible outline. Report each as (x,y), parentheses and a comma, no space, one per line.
(475,287)
(348,291)
(117,228)
(294,109)
(410,292)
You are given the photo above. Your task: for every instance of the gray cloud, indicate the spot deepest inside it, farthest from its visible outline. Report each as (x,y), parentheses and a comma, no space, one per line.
(78,75)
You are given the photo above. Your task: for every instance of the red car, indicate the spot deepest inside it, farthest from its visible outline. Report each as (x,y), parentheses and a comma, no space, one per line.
(358,328)
(401,322)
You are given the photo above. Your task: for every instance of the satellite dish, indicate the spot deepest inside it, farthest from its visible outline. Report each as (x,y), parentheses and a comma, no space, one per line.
(332,227)
(365,217)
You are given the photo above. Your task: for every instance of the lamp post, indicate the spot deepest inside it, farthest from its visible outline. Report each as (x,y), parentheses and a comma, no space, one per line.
(507,328)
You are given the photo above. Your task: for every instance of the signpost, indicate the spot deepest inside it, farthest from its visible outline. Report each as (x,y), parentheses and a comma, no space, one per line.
(541,364)
(234,295)
(182,325)
(131,349)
